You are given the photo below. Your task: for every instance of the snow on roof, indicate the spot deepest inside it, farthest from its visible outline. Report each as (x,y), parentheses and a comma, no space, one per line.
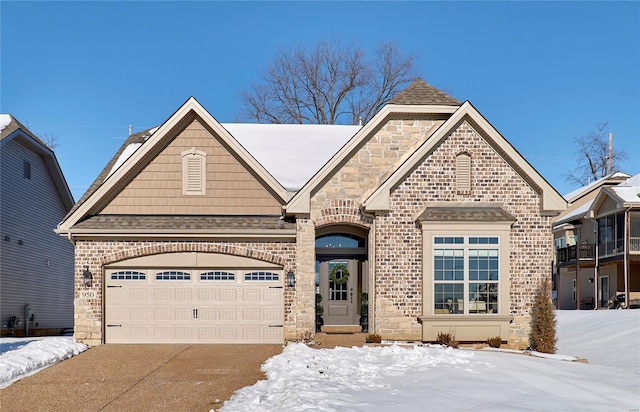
(629,190)
(571,196)
(5,119)
(576,214)
(126,153)
(291,153)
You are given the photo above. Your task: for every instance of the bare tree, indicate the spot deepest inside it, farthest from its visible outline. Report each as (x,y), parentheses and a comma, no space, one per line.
(592,155)
(49,139)
(329,84)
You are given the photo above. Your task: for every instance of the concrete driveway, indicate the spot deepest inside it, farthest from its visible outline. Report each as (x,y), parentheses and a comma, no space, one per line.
(141,378)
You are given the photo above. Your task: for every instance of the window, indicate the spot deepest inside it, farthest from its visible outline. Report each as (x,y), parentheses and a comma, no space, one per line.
(128,275)
(463,173)
(217,275)
(173,275)
(573,290)
(261,276)
(466,274)
(194,172)
(26,169)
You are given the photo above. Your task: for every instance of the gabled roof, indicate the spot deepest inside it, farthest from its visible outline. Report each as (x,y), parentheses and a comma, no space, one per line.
(421,93)
(581,191)
(142,145)
(12,129)
(551,201)
(625,195)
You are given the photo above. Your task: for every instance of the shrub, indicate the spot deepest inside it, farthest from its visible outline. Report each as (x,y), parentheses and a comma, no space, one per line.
(374,338)
(543,321)
(494,342)
(448,339)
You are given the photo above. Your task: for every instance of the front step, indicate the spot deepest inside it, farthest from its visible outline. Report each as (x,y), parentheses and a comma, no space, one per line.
(331,340)
(341,329)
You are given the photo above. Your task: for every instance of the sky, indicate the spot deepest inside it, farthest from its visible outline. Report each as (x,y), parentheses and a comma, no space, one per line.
(415,378)
(542,73)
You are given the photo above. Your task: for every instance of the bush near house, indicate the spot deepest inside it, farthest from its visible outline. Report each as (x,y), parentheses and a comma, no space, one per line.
(543,321)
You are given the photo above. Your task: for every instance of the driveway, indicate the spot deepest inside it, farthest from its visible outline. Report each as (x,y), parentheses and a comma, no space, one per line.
(141,378)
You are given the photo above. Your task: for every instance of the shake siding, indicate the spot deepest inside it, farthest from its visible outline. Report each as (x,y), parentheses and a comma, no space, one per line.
(230,188)
(30,210)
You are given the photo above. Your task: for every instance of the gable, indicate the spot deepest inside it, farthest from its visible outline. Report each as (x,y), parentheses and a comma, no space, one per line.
(550,200)
(373,158)
(230,187)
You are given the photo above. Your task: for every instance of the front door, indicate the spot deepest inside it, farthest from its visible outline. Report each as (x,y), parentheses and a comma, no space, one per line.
(339,286)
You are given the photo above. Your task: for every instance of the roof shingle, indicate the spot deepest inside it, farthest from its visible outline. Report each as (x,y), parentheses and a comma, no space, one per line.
(420,92)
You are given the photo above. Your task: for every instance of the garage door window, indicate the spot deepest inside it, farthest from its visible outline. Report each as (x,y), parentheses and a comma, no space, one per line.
(173,275)
(261,276)
(128,275)
(217,275)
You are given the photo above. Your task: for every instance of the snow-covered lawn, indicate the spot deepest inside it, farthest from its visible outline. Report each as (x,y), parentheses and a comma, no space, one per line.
(425,378)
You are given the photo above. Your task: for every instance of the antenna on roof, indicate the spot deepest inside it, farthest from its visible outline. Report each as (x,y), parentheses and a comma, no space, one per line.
(130,128)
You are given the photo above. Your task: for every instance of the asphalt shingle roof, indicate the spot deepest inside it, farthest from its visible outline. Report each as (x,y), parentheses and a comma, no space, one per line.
(420,92)
(143,222)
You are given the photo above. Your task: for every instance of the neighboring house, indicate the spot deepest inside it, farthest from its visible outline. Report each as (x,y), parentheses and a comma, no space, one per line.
(198,231)
(598,244)
(36,265)
(575,235)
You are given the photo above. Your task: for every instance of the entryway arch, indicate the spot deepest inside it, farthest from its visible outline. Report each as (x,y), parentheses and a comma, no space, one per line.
(342,274)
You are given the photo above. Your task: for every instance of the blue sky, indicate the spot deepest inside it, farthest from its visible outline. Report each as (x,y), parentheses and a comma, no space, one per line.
(542,73)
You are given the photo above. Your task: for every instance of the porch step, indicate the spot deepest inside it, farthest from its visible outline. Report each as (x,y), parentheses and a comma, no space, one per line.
(341,329)
(331,340)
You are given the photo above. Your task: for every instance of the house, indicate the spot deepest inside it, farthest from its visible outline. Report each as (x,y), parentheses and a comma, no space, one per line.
(36,267)
(616,210)
(575,243)
(198,231)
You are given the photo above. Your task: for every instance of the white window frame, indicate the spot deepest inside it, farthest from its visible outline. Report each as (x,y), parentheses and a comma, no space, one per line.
(194,172)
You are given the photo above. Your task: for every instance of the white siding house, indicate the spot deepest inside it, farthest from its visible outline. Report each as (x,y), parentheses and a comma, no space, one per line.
(36,265)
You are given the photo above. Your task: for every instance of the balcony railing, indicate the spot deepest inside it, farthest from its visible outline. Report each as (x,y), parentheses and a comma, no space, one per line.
(573,254)
(634,244)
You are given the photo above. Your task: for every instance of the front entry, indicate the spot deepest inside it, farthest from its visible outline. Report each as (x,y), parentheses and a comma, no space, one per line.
(342,281)
(339,284)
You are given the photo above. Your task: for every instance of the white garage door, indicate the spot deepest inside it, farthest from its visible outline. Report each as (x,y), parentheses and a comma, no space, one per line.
(194,306)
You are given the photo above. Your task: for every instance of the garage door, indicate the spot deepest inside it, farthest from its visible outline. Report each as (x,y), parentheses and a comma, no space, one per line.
(194,306)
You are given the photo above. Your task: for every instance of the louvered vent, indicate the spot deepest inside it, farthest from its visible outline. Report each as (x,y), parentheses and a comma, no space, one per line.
(193,172)
(463,173)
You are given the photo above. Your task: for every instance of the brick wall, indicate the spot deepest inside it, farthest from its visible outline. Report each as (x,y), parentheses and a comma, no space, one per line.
(398,238)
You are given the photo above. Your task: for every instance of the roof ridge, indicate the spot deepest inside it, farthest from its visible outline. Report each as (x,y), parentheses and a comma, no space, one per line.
(421,92)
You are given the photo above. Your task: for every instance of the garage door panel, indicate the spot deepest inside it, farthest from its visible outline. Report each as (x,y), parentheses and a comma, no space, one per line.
(214,306)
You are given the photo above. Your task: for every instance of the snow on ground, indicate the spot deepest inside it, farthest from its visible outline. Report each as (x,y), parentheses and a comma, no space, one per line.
(20,357)
(422,378)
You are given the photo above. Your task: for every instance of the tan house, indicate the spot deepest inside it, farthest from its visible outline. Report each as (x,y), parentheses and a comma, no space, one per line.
(198,231)
(597,243)
(36,266)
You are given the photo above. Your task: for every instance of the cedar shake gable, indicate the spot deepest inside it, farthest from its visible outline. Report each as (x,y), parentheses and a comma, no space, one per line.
(421,93)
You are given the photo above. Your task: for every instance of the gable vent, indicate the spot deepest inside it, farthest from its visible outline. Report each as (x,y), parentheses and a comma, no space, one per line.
(193,172)
(463,174)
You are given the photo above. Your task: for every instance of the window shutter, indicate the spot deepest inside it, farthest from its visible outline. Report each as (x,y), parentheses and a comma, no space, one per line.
(463,173)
